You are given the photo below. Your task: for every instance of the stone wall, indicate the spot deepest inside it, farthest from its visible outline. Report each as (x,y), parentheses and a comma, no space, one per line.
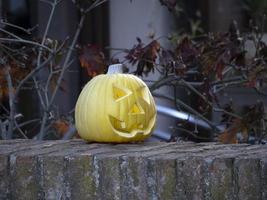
(76,170)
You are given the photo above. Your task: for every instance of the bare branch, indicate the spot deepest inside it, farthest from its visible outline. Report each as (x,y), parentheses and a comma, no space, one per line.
(46,30)
(11,102)
(35,70)
(28,31)
(39,93)
(19,129)
(94,5)
(26,42)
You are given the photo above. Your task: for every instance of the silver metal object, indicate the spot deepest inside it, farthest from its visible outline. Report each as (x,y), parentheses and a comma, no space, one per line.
(182,116)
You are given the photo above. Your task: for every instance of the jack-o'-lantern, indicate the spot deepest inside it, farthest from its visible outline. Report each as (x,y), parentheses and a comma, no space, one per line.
(115,107)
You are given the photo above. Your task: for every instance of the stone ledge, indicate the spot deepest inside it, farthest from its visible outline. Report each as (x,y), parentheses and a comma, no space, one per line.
(76,170)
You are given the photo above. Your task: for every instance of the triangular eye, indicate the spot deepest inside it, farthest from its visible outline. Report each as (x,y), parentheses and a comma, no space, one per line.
(119,93)
(136,109)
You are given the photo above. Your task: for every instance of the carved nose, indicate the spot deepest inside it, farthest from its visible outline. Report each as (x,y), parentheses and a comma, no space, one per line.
(136,109)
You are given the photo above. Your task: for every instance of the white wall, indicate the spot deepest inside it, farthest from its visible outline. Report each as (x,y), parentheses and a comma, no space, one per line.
(137,19)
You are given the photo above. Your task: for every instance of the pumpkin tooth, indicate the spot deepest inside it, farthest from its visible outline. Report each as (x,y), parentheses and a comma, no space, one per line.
(140,126)
(123,125)
(116,123)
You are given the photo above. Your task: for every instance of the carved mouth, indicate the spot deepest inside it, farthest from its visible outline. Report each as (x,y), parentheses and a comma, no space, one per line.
(120,128)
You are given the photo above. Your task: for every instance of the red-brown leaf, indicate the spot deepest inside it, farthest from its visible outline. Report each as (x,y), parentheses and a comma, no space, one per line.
(93,59)
(229,136)
(144,56)
(219,70)
(186,50)
(61,126)
(170,4)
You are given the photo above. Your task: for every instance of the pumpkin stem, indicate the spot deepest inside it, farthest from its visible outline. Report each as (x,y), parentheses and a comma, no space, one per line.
(115,69)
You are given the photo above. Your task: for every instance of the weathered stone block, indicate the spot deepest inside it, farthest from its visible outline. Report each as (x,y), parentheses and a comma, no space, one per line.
(4,177)
(247,178)
(79,177)
(161,178)
(219,179)
(108,184)
(133,178)
(23,177)
(190,176)
(77,170)
(52,177)
(263,164)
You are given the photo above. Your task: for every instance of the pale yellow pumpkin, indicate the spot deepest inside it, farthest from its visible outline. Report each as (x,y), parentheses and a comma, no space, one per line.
(115,108)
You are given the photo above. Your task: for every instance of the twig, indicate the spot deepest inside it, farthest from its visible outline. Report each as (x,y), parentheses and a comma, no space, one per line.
(187,107)
(3,129)
(67,59)
(193,111)
(39,92)
(46,90)
(217,90)
(162,82)
(227,81)
(35,70)
(26,42)
(50,3)
(260,92)
(191,133)
(19,129)
(28,31)
(11,34)
(28,122)
(3,107)
(11,103)
(207,101)
(94,5)
(46,30)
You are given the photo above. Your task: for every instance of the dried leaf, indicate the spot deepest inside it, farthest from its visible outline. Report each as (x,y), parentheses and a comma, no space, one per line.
(219,70)
(170,4)
(241,129)
(229,136)
(17,73)
(93,59)
(61,126)
(186,50)
(145,57)
(135,53)
(226,118)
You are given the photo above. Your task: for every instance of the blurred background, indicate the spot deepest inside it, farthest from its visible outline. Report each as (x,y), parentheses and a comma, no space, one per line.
(117,23)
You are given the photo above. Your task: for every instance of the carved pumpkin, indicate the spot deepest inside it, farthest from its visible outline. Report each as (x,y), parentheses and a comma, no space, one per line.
(115,108)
